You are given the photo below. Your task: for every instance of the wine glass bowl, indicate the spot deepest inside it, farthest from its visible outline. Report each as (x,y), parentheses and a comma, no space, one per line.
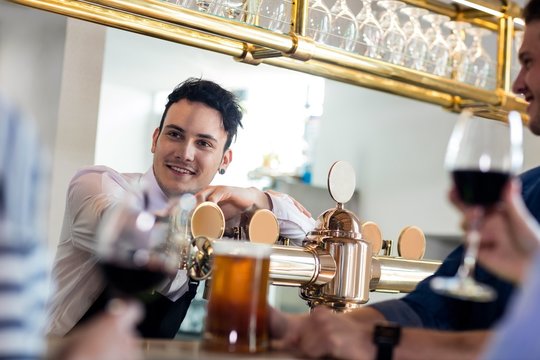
(134,250)
(482,155)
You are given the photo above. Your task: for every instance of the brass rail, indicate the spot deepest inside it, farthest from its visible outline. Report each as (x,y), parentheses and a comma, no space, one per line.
(254,45)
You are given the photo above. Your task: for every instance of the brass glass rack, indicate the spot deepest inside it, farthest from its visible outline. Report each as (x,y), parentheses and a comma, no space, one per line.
(252,44)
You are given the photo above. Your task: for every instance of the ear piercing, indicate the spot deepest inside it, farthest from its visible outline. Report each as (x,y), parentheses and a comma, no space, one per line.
(221,171)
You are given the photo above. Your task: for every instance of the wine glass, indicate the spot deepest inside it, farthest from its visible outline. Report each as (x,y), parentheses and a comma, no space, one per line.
(369,31)
(438,57)
(134,251)
(481,65)
(458,48)
(233,9)
(482,155)
(417,46)
(393,39)
(274,15)
(344,28)
(319,21)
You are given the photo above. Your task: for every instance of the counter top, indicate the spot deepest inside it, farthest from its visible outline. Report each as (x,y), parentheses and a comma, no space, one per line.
(178,350)
(190,349)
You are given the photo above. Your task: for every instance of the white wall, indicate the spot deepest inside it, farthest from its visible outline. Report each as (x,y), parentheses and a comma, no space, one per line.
(397,147)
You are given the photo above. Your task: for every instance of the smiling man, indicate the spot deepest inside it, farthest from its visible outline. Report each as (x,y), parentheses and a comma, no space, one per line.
(190,146)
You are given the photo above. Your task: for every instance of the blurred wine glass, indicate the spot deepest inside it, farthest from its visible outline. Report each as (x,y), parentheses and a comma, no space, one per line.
(393,39)
(134,251)
(481,65)
(319,21)
(417,46)
(344,29)
(482,155)
(369,31)
(437,61)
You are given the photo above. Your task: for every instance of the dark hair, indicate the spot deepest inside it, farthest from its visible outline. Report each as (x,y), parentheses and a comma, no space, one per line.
(213,95)
(531,12)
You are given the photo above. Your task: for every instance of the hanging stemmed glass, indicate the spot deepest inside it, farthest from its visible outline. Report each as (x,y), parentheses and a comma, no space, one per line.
(274,15)
(437,61)
(482,155)
(319,21)
(417,46)
(481,65)
(344,29)
(369,31)
(393,39)
(458,49)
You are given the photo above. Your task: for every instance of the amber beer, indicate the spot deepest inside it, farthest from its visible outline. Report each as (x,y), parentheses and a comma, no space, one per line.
(238,319)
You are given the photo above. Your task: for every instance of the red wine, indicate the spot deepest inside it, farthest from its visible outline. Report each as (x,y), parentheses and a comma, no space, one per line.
(480,188)
(131,281)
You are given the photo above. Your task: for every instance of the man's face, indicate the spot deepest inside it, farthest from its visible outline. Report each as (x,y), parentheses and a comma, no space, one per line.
(189,149)
(528,79)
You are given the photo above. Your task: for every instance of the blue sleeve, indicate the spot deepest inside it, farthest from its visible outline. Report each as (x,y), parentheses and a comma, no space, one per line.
(440,312)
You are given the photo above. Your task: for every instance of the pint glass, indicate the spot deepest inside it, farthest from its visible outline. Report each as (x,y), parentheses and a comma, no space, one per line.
(238,319)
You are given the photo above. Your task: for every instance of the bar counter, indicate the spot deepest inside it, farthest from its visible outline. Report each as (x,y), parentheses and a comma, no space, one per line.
(179,350)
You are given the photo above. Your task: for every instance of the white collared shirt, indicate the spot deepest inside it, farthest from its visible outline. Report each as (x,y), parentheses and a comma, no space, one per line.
(93,191)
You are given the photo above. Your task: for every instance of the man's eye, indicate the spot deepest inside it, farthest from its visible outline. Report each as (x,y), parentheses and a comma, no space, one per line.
(205,143)
(174,134)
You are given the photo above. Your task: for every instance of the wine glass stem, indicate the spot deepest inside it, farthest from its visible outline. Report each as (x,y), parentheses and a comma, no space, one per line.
(473,241)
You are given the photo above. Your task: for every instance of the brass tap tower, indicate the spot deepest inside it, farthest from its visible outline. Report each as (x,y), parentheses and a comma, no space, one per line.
(339,262)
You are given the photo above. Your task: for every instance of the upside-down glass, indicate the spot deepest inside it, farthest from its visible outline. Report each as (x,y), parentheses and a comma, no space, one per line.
(417,46)
(319,21)
(438,59)
(482,155)
(393,39)
(369,31)
(274,15)
(344,29)
(481,65)
(238,313)
(459,52)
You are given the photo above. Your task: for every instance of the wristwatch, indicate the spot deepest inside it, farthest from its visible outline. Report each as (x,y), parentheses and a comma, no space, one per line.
(385,337)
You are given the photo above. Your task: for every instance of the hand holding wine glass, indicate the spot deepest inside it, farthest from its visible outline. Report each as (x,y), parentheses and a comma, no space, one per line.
(482,155)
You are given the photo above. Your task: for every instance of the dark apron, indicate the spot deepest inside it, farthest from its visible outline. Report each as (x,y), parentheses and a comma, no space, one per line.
(163,317)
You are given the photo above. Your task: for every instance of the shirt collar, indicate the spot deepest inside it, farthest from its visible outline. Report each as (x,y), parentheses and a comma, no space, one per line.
(157,198)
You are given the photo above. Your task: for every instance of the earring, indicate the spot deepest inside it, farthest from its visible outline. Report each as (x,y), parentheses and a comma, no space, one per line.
(221,171)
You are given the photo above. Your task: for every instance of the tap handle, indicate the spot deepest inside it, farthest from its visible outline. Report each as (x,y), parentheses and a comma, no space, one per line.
(412,243)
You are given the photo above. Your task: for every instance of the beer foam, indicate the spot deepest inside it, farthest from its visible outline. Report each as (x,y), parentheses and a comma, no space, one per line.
(242,248)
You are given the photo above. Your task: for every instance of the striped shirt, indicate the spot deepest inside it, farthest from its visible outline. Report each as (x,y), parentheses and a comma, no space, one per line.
(24,278)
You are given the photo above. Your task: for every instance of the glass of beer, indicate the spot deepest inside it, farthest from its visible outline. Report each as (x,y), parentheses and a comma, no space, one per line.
(238,318)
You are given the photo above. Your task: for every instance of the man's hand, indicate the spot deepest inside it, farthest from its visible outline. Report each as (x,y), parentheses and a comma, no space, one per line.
(509,234)
(232,200)
(110,336)
(322,334)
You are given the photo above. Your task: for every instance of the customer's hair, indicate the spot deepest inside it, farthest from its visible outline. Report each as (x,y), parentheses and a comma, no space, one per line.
(214,96)
(531,12)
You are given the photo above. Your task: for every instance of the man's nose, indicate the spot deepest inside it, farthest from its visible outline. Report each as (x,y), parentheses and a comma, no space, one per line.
(187,151)
(519,87)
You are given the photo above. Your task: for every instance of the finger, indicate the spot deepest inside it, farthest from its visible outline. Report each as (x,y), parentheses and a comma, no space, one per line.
(127,314)
(454,198)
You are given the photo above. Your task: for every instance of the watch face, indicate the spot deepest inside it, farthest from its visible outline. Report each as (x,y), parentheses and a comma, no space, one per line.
(387,334)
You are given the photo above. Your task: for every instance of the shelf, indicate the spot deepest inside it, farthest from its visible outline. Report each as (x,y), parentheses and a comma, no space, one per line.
(254,45)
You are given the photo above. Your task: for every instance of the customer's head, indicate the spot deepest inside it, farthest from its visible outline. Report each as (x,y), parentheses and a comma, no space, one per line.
(192,142)
(528,79)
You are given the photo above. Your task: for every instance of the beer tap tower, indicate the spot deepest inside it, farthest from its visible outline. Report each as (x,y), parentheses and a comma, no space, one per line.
(339,262)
